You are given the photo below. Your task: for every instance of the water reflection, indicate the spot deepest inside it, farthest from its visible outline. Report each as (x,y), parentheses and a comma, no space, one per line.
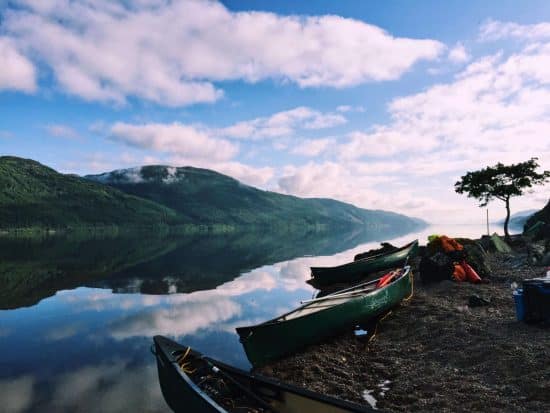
(16,394)
(31,269)
(85,346)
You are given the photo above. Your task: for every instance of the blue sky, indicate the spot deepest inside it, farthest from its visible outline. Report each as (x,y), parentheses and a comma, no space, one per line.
(381,104)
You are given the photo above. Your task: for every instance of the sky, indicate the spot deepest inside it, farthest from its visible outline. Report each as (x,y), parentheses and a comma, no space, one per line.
(380,104)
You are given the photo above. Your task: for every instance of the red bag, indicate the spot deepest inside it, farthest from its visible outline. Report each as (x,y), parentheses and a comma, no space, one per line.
(459,273)
(471,275)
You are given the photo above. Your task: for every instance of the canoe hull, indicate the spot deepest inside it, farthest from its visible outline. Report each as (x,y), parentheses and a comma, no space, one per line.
(178,390)
(269,341)
(182,395)
(357,270)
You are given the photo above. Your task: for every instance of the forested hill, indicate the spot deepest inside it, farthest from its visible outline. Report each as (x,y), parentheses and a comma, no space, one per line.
(33,195)
(205,196)
(543,215)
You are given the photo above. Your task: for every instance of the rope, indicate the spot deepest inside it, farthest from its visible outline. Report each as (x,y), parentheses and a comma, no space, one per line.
(183,365)
(412,288)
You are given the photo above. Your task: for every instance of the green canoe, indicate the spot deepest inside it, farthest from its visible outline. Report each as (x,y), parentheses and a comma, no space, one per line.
(323,317)
(356,270)
(193,383)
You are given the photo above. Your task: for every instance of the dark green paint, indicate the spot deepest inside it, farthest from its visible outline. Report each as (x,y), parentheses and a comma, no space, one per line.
(274,339)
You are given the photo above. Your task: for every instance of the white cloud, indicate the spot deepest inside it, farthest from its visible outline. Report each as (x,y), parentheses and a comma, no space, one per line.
(250,175)
(162,52)
(495,110)
(282,124)
(175,138)
(313,147)
(458,54)
(255,176)
(62,131)
(17,72)
(349,108)
(493,30)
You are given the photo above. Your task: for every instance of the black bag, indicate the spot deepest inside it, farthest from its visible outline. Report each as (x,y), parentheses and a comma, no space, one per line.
(436,268)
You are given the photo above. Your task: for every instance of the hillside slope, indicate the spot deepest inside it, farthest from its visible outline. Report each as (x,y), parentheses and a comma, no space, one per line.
(542,215)
(32,194)
(205,196)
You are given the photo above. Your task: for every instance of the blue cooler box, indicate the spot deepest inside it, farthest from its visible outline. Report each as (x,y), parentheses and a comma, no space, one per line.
(520,306)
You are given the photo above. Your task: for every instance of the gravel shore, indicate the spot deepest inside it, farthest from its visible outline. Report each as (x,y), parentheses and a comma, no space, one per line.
(439,352)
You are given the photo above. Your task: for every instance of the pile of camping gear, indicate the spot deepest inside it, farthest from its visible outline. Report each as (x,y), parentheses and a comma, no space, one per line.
(447,259)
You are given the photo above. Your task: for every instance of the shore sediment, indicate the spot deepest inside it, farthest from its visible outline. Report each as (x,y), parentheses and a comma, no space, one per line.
(439,351)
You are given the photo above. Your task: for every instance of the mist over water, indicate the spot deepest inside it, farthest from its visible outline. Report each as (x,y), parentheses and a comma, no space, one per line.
(77,315)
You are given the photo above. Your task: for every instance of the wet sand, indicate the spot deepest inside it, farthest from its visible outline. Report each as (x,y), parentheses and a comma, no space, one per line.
(436,352)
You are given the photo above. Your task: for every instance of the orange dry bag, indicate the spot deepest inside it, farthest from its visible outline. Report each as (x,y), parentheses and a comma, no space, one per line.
(471,275)
(459,273)
(450,244)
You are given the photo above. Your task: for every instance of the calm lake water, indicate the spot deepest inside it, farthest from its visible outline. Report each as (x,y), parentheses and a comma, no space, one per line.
(77,317)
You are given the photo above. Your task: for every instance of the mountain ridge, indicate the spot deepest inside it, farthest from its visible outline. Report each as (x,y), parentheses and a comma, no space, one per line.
(34,195)
(226,198)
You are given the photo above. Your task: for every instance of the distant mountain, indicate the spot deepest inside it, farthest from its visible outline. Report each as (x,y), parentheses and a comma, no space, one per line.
(542,215)
(204,196)
(518,220)
(33,195)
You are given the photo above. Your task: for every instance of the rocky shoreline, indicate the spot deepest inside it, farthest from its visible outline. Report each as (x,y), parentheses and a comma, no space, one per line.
(453,347)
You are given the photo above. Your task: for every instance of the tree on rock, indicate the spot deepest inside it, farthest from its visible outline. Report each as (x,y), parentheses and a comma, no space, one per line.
(501,182)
